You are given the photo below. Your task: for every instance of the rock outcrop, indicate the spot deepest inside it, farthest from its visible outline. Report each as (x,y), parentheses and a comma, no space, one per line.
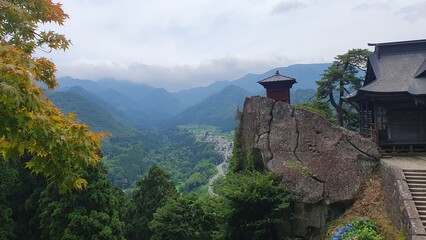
(323,165)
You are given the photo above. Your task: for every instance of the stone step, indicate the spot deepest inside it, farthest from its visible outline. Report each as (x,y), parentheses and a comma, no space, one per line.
(417,190)
(421,208)
(419,181)
(414,170)
(421,212)
(418,194)
(416,185)
(420,203)
(414,174)
(419,198)
(411,177)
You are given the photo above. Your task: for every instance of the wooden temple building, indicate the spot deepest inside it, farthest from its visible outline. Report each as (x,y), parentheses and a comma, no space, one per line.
(278,87)
(392,102)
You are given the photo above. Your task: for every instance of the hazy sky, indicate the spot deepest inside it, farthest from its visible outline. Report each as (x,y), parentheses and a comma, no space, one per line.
(179,44)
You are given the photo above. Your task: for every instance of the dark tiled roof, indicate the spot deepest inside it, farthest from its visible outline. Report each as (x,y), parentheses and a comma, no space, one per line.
(422,70)
(277,78)
(395,68)
(420,41)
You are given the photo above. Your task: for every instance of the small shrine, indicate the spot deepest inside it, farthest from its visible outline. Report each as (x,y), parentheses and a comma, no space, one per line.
(278,87)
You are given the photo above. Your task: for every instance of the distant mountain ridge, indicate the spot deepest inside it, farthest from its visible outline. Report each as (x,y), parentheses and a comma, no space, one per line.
(306,76)
(92,110)
(219,109)
(146,106)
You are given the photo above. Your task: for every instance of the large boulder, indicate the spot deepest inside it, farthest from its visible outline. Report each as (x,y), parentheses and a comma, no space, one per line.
(323,165)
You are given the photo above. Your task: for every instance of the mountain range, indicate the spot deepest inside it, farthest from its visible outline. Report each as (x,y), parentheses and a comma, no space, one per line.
(126,104)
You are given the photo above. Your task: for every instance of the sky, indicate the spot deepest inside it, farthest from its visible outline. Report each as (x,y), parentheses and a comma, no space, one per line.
(181,44)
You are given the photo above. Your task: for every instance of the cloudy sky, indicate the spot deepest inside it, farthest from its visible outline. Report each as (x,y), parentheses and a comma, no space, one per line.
(179,44)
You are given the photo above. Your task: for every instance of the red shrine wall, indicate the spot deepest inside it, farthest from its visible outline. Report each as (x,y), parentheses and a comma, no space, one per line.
(279,95)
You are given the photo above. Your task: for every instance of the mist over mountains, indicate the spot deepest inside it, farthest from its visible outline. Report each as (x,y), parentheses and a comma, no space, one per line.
(121,104)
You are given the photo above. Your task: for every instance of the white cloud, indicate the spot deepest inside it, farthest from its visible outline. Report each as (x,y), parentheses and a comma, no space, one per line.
(174,78)
(288,6)
(373,5)
(414,12)
(184,43)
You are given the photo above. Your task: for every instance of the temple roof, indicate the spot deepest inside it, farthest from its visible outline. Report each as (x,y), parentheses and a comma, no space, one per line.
(277,78)
(397,67)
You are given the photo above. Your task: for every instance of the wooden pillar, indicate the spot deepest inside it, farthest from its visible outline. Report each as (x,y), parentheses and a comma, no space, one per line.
(361,118)
(375,131)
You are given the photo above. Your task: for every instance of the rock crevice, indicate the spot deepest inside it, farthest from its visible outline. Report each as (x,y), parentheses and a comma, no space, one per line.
(323,165)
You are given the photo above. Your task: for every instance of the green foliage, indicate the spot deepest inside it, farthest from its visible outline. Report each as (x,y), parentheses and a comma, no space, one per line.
(90,214)
(302,95)
(93,113)
(242,160)
(301,169)
(217,110)
(19,195)
(184,217)
(189,162)
(152,193)
(320,107)
(6,223)
(257,203)
(254,161)
(29,122)
(238,155)
(8,180)
(342,77)
(363,229)
(198,130)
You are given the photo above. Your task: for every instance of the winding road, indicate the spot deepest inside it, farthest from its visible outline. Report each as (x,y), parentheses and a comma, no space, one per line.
(224,148)
(221,168)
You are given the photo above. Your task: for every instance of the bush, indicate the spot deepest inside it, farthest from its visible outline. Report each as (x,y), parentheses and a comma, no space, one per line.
(362,229)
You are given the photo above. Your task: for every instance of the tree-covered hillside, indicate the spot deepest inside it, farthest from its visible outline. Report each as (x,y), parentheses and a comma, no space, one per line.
(189,162)
(217,110)
(129,153)
(100,116)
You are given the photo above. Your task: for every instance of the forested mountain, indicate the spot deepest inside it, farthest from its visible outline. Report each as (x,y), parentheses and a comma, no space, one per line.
(189,162)
(143,105)
(142,97)
(90,109)
(305,75)
(194,96)
(130,110)
(129,153)
(218,110)
(302,95)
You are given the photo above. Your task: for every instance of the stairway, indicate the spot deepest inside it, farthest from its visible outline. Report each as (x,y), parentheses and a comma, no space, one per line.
(416,180)
(383,153)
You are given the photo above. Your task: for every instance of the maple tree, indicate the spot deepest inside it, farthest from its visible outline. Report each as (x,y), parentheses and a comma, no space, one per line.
(30,125)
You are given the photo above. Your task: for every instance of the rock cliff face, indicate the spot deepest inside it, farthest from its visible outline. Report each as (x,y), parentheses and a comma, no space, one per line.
(323,165)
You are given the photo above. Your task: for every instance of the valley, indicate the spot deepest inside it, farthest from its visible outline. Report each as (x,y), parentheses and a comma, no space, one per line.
(188,133)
